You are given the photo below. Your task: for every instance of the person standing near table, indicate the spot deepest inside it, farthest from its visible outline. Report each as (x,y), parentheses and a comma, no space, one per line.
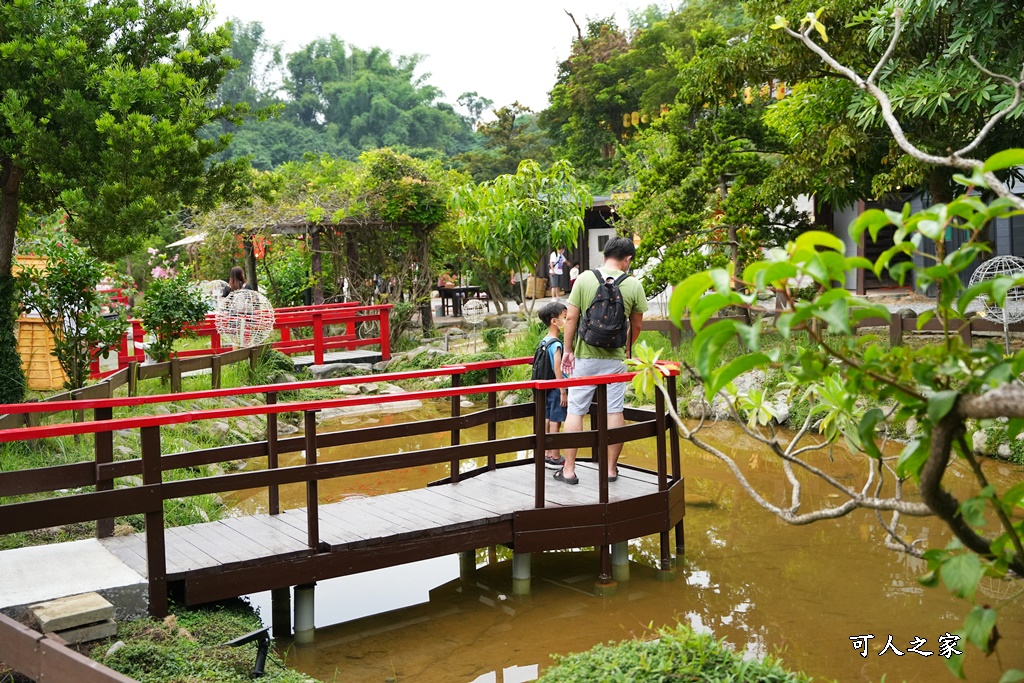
(556,263)
(581,359)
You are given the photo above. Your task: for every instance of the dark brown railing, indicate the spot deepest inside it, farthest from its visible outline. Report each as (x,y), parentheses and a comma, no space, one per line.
(108,502)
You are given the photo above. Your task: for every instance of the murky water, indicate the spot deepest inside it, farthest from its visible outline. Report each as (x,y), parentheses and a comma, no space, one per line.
(765,586)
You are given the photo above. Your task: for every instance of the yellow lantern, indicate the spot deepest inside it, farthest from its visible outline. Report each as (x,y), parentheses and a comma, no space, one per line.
(780,91)
(635,116)
(748,95)
(627,120)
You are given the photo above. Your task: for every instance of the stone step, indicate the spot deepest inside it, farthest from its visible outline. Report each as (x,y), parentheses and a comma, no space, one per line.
(84,634)
(72,612)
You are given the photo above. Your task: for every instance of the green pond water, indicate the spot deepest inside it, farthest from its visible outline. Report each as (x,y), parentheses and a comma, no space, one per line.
(765,586)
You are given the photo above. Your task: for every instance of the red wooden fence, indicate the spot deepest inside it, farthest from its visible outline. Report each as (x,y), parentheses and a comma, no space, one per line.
(287,321)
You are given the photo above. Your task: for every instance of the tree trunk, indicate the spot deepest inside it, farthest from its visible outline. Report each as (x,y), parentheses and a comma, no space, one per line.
(426,311)
(317,266)
(250,261)
(10,181)
(12,378)
(494,291)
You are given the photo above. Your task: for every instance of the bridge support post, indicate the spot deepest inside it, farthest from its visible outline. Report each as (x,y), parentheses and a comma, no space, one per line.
(620,561)
(281,612)
(304,626)
(467,565)
(520,573)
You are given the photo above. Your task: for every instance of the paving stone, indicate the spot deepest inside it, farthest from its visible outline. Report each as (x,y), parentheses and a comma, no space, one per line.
(71,612)
(84,634)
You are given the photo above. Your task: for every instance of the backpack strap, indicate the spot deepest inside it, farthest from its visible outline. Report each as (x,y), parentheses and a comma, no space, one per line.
(601,278)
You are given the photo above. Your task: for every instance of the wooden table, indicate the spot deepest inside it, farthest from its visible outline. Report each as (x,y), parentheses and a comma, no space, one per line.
(455,296)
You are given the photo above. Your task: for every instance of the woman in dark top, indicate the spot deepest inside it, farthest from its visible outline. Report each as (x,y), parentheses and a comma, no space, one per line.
(236,281)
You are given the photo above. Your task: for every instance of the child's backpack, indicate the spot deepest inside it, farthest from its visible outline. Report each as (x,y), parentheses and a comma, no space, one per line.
(604,323)
(542,360)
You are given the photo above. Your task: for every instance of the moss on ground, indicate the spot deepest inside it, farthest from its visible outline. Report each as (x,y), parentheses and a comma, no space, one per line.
(188,646)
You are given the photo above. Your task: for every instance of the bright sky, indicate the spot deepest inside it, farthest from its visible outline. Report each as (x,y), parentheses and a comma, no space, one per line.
(505,51)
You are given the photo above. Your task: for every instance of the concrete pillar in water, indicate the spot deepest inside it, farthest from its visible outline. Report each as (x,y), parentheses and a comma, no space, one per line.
(520,573)
(281,612)
(620,561)
(467,565)
(304,628)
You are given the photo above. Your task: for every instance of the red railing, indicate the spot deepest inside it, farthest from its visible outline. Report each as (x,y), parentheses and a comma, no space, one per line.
(287,320)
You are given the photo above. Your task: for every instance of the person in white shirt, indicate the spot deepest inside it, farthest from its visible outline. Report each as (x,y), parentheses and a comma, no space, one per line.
(574,273)
(555,267)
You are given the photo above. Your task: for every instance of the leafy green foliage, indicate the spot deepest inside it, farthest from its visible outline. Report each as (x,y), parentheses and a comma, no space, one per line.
(512,220)
(677,654)
(337,100)
(494,337)
(12,377)
(63,293)
(855,383)
(189,646)
(170,306)
(102,121)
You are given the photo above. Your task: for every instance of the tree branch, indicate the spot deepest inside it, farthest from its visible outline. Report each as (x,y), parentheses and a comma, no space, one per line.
(954,160)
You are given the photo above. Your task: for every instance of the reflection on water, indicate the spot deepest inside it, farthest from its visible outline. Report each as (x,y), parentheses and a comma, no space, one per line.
(765,586)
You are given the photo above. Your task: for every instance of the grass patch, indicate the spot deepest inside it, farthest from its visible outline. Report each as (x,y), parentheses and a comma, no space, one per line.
(678,654)
(187,647)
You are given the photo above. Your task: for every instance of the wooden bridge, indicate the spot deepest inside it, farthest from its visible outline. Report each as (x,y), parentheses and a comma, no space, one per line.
(513,502)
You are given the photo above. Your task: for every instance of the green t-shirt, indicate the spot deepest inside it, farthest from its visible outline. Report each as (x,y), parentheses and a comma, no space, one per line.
(584,291)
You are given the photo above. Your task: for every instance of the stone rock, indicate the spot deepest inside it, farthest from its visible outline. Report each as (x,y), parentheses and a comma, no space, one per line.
(239,436)
(465,403)
(90,632)
(912,427)
(510,400)
(749,380)
(161,410)
(369,388)
(907,313)
(285,429)
(283,378)
(781,412)
(114,648)
(509,322)
(456,332)
(378,408)
(72,611)
(381,366)
(131,452)
(387,388)
(1004,451)
(349,389)
(340,370)
(980,443)
(220,428)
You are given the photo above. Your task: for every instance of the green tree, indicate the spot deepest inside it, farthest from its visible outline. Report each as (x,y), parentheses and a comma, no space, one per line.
(364,99)
(842,146)
(510,138)
(101,107)
(513,220)
(171,304)
(63,293)
(857,385)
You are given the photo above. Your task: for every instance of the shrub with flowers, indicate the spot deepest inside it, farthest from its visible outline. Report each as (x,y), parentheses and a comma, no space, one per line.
(171,305)
(65,294)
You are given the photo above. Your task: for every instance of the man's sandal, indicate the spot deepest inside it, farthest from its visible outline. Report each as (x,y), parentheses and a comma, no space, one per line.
(560,476)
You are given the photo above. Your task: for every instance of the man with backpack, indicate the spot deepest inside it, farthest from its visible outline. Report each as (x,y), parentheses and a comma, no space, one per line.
(606,310)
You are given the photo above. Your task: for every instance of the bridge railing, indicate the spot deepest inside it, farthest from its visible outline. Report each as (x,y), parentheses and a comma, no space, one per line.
(312,322)
(107,501)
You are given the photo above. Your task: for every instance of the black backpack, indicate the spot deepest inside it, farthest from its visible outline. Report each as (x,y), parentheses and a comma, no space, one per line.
(542,361)
(604,324)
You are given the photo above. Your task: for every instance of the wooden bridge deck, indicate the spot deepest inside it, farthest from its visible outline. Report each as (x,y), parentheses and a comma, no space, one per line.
(477,509)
